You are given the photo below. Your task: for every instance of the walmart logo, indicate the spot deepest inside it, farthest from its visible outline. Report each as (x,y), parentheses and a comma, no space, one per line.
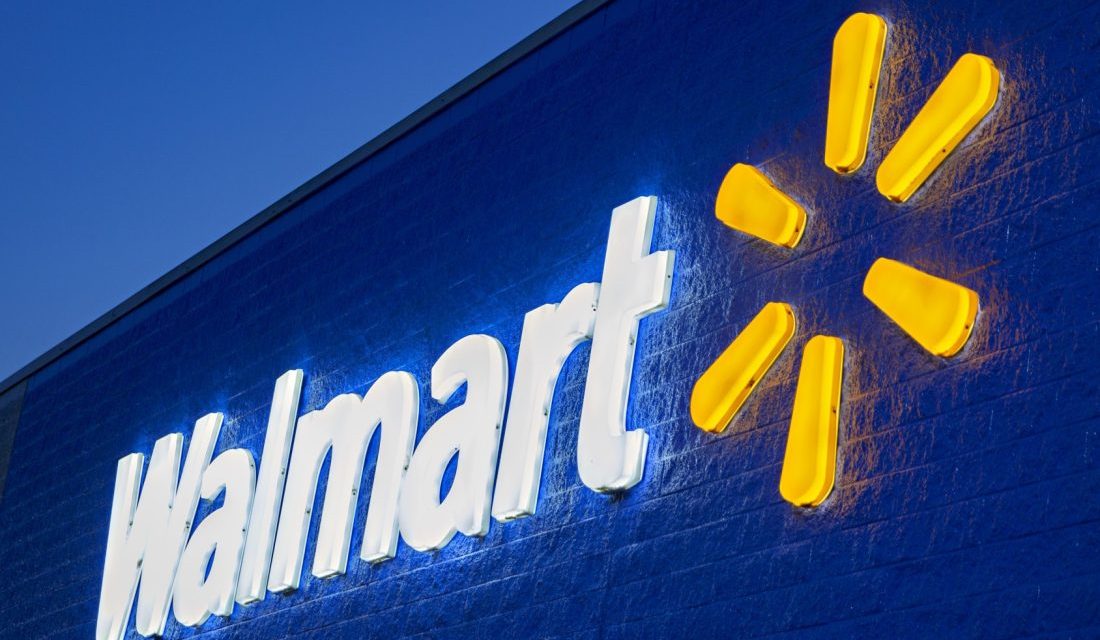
(939,315)
(254,538)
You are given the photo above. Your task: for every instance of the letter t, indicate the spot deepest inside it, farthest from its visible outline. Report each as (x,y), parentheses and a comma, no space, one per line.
(635,284)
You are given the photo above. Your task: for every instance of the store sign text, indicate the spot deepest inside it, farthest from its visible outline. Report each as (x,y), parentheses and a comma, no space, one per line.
(255,541)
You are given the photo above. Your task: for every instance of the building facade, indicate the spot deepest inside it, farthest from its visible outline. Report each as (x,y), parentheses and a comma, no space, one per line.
(946,490)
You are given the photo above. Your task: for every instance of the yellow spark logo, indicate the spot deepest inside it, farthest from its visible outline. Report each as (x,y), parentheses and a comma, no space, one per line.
(939,315)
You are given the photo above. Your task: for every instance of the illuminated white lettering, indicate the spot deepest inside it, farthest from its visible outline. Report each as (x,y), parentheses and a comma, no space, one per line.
(345,426)
(256,563)
(550,333)
(472,431)
(255,541)
(635,284)
(221,534)
(149,528)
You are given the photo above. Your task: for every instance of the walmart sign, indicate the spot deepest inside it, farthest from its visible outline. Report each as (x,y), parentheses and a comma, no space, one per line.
(255,541)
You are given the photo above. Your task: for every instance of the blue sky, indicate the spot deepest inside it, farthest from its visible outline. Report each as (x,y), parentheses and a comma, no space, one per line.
(137,133)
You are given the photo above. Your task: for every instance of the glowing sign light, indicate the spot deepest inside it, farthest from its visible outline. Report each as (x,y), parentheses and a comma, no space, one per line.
(728,382)
(809,466)
(857,60)
(957,106)
(550,334)
(256,540)
(218,541)
(255,565)
(472,431)
(635,284)
(937,313)
(749,202)
(343,429)
(149,528)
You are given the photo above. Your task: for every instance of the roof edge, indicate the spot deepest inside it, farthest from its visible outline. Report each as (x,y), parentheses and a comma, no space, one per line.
(460,89)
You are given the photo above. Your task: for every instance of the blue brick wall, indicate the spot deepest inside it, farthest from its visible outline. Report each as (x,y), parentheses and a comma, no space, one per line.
(966,502)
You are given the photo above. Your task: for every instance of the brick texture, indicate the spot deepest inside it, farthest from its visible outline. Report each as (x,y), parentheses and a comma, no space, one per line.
(11,403)
(966,503)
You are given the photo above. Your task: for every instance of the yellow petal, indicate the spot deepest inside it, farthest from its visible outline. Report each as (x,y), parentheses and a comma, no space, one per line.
(857,61)
(809,465)
(729,380)
(960,102)
(749,202)
(937,313)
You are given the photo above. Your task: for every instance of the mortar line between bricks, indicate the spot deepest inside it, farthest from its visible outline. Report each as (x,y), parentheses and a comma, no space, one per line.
(940,601)
(349,592)
(897,427)
(862,523)
(405,576)
(364,586)
(857,483)
(460,591)
(873,392)
(1055,632)
(896,563)
(1077,189)
(804,540)
(900,427)
(1024,251)
(778,424)
(908,424)
(920,204)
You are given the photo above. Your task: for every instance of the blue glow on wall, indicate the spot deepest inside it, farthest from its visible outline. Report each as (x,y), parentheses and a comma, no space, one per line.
(966,489)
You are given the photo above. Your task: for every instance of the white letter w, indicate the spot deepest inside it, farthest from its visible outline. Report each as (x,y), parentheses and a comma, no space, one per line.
(149,529)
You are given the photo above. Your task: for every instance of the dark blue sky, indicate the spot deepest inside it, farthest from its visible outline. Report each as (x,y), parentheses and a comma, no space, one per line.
(135,134)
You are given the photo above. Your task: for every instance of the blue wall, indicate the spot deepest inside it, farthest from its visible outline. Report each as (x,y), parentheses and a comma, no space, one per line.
(967,488)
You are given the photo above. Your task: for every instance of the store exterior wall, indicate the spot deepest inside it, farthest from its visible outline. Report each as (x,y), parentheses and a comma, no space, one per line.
(966,496)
